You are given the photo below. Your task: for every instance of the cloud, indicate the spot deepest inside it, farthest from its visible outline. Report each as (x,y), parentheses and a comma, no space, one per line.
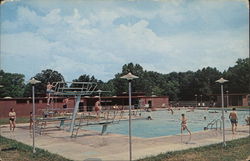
(167,36)
(53,17)
(25,44)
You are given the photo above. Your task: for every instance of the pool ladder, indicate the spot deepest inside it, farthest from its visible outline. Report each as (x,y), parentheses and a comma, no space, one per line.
(213,123)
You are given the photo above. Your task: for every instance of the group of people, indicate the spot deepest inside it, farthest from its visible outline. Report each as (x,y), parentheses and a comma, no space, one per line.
(12,114)
(232,116)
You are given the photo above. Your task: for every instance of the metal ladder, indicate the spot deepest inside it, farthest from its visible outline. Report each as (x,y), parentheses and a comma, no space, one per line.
(75,129)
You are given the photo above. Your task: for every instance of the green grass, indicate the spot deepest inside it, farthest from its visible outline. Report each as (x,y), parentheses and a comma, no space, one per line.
(247,107)
(11,150)
(234,151)
(19,120)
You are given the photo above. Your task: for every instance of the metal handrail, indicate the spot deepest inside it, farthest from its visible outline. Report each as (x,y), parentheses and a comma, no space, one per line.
(214,122)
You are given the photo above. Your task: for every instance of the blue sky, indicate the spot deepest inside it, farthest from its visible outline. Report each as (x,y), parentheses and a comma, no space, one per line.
(97,37)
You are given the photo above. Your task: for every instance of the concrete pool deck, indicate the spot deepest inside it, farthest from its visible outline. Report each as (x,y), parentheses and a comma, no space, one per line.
(90,145)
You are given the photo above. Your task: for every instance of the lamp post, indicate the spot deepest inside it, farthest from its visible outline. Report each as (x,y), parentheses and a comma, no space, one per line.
(221,81)
(129,77)
(0,84)
(196,100)
(201,100)
(99,92)
(33,82)
(227,99)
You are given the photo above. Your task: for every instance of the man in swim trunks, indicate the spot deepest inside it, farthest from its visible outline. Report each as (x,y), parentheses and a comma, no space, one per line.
(184,124)
(234,120)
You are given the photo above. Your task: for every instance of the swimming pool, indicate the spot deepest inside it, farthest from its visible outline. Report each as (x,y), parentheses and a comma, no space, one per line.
(164,123)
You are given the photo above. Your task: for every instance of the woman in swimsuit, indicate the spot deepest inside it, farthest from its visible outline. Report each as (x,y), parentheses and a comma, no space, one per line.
(184,124)
(12,116)
(98,108)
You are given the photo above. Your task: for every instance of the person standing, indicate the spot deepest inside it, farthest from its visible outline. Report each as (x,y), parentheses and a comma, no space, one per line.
(171,109)
(184,124)
(234,120)
(65,102)
(12,118)
(98,107)
(49,91)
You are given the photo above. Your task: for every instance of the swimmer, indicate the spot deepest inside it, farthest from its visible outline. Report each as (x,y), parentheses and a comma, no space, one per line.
(149,116)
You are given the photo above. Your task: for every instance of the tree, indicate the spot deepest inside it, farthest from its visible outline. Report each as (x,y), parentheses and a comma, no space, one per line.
(107,87)
(85,78)
(204,81)
(13,84)
(45,76)
(239,77)
(172,86)
(187,85)
(138,85)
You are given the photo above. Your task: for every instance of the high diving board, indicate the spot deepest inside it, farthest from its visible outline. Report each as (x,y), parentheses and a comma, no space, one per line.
(101,121)
(74,88)
(77,89)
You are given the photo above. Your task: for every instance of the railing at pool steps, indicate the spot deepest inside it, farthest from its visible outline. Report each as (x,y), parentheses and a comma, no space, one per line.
(212,123)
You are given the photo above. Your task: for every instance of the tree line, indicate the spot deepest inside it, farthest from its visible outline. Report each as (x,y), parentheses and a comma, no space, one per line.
(176,85)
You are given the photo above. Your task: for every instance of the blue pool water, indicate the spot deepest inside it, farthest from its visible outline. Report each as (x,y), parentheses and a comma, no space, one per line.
(164,123)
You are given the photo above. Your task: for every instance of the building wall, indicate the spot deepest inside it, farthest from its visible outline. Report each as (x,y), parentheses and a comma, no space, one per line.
(245,100)
(23,107)
(234,100)
(157,102)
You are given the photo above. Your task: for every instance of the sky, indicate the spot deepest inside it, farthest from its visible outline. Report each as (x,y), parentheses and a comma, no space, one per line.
(97,37)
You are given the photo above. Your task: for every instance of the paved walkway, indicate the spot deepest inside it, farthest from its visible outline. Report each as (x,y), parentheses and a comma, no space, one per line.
(89,144)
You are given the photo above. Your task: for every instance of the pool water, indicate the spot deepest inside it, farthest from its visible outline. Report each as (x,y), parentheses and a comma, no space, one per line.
(164,123)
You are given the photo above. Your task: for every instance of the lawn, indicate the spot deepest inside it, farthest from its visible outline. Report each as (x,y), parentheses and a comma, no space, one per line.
(235,150)
(19,120)
(11,150)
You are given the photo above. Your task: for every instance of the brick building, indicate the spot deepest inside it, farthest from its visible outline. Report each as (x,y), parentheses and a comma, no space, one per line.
(23,106)
(234,99)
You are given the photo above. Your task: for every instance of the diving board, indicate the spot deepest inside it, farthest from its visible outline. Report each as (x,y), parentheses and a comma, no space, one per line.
(77,89)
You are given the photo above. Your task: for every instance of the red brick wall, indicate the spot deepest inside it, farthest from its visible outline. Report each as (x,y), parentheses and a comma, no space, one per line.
(245,100)
(157,102)
(24,108)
